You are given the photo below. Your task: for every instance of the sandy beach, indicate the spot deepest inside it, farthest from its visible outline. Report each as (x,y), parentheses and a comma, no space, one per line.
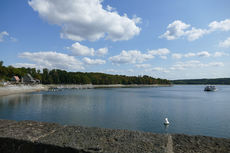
(15,89)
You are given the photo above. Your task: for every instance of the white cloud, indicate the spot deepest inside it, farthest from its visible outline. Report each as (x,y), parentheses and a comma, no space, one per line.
(156,69)
(132,56)
(130,70)
(136,19)
(160,52)
(187,64)
(86,19)
(203,54)
(112,71)
(222,25)
(110,8)
(225,43)
(160,69)
(215,64)
(178,29)
(220,54)
(194,33)
(27,65)
(190,55)
(89,61)
(81,50)
(175,30)
(13,39)
(194,64)
(53,60)
(102,51)
(199,54)
(177,56)
(163,57)
(3,34)
(143,65)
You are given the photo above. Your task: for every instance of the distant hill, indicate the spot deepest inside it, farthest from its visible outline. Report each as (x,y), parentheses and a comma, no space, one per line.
(224,81)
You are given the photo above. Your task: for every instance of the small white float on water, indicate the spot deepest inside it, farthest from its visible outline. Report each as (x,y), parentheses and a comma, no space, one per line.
(166,121)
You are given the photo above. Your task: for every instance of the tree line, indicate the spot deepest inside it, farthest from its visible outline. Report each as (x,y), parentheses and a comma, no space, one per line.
(56,76)
(225,81)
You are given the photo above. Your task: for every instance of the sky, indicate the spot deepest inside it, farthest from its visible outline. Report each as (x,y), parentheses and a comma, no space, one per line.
(161,38)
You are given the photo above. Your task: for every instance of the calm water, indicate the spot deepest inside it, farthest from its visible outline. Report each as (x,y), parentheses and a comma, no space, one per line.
(190,110)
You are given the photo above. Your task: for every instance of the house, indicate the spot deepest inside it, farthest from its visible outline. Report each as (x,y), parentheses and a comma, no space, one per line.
(28,79)
(15,79)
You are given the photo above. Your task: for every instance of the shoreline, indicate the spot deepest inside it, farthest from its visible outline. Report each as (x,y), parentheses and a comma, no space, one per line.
(91,86)
(17,89)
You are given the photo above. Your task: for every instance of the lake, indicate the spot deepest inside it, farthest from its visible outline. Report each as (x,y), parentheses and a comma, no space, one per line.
(189,109)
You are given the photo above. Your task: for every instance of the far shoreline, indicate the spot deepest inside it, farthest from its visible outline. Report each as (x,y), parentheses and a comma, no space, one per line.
(91,86)
(18,89)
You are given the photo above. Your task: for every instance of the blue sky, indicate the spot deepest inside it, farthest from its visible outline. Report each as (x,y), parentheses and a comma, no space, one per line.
(166,39)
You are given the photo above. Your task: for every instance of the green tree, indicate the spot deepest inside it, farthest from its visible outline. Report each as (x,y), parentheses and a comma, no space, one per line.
(45,76)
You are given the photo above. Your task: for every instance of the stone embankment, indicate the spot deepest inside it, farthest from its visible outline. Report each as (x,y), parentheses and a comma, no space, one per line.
(41,137)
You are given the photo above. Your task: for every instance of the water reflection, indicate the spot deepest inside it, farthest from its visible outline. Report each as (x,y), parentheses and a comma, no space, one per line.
(166,128)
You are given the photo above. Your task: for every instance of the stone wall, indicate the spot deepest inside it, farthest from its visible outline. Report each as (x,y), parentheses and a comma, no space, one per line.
(41,137)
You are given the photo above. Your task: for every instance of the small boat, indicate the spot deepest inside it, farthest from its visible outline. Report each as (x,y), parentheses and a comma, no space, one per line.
(166,121)
(210,88)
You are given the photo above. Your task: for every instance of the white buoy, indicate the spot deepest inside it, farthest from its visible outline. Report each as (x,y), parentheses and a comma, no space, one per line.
(166,121)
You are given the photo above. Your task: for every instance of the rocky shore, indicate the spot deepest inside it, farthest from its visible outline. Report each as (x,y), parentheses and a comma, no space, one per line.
(41,137)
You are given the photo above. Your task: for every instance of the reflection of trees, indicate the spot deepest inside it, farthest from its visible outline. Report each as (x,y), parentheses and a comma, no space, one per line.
(14,101)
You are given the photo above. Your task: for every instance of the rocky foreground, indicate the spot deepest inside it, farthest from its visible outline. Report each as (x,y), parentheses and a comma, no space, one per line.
(41,137)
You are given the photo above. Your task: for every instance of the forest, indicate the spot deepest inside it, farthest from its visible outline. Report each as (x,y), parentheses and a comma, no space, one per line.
(225,81)
(56,76)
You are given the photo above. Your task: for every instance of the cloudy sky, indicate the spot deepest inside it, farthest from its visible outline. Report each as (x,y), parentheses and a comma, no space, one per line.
(168,39)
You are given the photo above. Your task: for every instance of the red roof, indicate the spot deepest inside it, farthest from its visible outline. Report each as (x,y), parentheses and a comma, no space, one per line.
(16,78)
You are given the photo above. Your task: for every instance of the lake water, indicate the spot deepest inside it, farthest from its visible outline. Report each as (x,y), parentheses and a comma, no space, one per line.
(189,109)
